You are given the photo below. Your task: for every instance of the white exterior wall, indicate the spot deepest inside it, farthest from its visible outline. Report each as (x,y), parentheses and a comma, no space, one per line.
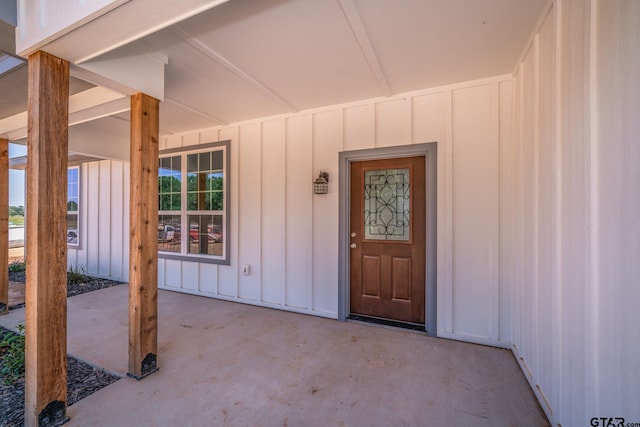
(289,237)
(615,247)
(574,217)
(104,221)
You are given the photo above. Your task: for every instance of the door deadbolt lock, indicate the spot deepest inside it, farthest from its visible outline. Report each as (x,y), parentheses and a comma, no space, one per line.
(353,246)
(353,234)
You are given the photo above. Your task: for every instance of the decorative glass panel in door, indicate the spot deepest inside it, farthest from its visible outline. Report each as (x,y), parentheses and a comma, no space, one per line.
(386,204)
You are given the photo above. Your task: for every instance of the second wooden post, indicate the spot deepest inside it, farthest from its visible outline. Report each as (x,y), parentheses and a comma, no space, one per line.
(143,238)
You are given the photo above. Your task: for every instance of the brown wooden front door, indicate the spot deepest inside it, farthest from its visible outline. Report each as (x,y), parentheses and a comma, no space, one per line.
(387,254)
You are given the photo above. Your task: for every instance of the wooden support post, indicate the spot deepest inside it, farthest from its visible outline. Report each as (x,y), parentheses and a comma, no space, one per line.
(46,291)
(4,223)
(143,241)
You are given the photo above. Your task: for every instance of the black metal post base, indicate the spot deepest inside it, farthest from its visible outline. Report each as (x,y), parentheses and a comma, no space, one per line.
(53,415)
(148,367)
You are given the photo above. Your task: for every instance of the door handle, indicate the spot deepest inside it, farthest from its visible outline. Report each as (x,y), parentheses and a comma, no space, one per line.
(353,246)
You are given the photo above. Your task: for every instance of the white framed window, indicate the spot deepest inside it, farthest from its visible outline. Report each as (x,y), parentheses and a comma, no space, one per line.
(73,206)
(193,220)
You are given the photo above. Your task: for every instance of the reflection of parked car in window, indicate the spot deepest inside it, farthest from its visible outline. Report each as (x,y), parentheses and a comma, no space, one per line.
(166,233)
(214,234)
(72,237)
(193,234)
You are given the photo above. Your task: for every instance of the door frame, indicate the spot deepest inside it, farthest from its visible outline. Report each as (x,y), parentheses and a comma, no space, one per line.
(429,150)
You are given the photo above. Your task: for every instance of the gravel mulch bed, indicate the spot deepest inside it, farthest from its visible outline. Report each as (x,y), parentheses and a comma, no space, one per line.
(73,289)
(82,381)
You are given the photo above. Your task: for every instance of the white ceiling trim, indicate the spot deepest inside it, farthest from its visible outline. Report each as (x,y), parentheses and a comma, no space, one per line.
(85,106)
(8,63)
(99,111)
(193,110)
(92,97)
(224,62)
(353,18)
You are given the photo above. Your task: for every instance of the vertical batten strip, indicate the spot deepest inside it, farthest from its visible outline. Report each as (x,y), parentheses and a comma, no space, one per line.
(557,343)
(46,287)
(4,222)
(447,249)
(143,245)
(494,323)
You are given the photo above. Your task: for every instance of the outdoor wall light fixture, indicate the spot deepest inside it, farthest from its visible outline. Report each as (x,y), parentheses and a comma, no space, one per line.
(321,184)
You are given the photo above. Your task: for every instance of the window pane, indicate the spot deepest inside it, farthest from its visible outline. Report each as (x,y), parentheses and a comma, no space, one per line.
(72,229)
(72,190)
(203,201)
(72,176)
(175,201)
(165,165)
(216,158)
(192,163)
(202,181)
(176,165)
(176,186)
(192,201)
(165,184)
(169,184)
(216,200)
(169,233)
(205,162)
(215,181)
(72,206)
(165,202)
(192,182)
(205,234)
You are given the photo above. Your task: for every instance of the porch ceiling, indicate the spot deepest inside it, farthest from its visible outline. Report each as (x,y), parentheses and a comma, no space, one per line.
(245,59)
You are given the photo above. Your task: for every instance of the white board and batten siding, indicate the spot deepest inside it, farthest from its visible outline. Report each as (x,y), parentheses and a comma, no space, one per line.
(289,237)
(104,221)
(572,212)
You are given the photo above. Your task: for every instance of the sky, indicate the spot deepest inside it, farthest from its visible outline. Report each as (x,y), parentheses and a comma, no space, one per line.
(16,177)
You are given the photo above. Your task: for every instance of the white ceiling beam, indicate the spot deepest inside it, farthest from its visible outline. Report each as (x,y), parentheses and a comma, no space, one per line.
(92,97)
(91,33)
(353,18)
(107,139)
(127,71)
(235,70)
(110,108)
(91,104)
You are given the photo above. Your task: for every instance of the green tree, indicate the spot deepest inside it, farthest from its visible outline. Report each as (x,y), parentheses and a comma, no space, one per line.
(169,190)
(16,210)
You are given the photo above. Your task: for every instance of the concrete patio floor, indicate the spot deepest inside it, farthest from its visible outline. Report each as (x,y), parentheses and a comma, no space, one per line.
(223,363)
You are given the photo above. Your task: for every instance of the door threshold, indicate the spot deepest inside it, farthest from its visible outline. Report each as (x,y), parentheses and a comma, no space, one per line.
(388,322)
